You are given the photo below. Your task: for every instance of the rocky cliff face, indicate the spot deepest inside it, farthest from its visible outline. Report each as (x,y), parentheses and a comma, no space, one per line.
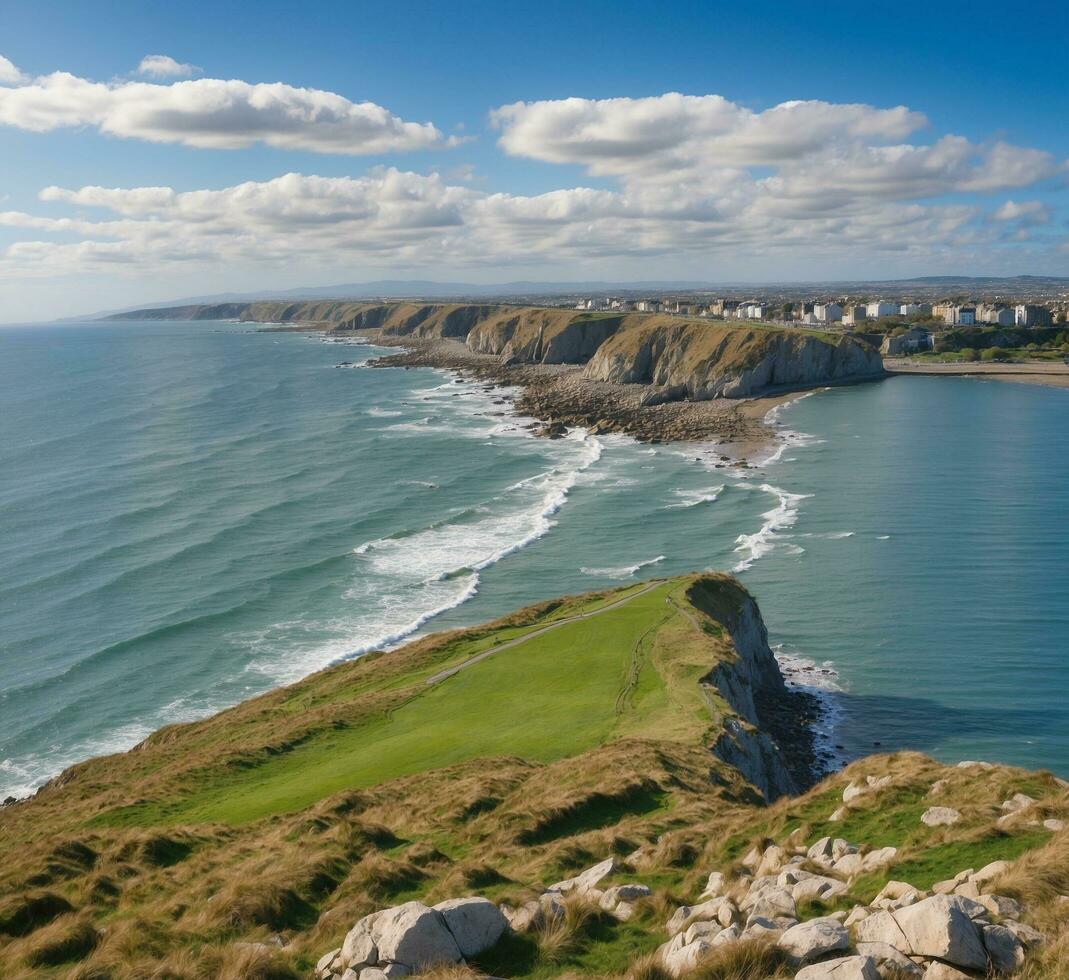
(533,335)
(699,361)
(750,677)
(677,358)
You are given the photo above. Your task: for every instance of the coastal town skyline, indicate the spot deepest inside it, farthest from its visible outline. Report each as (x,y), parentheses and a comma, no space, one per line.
(163,161)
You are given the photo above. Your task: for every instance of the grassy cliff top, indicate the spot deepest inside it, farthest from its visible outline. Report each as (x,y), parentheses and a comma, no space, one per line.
(493,760)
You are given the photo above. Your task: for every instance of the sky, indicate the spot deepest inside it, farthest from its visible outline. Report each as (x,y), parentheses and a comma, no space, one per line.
(153,151)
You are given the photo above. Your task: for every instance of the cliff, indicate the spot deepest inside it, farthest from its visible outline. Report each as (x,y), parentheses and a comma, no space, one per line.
(700,361)
(596,767)
(679,358)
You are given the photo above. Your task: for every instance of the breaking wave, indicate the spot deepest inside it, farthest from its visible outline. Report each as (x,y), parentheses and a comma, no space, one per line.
(622,571)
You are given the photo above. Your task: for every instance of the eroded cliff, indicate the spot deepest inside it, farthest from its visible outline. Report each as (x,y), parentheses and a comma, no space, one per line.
(699,361)
(679,358)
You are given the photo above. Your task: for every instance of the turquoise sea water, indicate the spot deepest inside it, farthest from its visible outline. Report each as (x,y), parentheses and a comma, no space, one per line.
(192,513)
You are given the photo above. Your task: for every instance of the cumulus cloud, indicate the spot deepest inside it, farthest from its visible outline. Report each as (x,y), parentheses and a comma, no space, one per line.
(681,178)
(9,74)
(164,66)
(214,113)
(673,131)
(823,156)
(390,217)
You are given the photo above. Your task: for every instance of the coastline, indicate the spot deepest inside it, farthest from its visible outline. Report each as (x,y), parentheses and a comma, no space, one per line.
(803,719)
(1050,374)
(559,396)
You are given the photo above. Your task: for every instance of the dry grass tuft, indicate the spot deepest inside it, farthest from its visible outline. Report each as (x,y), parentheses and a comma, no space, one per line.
(558,938)
(453,971)
(648,967)
(1039,876)
(746,960)
(66,939)
(246,904)
(23,913)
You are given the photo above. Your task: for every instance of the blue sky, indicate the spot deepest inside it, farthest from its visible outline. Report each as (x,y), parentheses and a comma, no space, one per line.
(623,185)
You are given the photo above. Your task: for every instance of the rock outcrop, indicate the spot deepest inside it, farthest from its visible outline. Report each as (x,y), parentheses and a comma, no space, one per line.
(700,361)
(410,938)
(742,680)
(904,932)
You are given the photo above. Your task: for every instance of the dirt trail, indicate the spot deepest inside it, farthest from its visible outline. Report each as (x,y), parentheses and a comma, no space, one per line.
(449,672)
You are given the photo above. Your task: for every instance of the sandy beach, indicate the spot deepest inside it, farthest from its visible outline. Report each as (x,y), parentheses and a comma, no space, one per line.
(1053,374)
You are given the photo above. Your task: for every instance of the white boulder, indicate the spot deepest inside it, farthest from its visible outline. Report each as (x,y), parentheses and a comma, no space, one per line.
(940,816)
(1004,948)
(685,958)
(944,971)
(814,939)
(843,968)
(414,936)
(890,961)
(721,910)
(585,881)
(476,923)
(941,927)
(880,858)
(1018,802)
(612,897)
(853,791)
(987,873)
(714,885)
(849,865)
(326,964)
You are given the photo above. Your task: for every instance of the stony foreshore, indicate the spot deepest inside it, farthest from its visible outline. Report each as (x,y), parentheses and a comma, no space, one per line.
(559,396)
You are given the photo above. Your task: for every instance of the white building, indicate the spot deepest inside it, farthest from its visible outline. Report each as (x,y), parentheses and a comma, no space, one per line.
(875,310)
(1001,316)
(910,309)
(1028,315)
(828,312)
(959,316)
(855,314)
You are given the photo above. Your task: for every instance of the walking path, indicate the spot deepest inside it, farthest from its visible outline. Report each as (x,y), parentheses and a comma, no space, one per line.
(443,674)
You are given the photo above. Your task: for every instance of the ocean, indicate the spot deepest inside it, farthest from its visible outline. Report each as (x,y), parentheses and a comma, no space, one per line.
(194,513)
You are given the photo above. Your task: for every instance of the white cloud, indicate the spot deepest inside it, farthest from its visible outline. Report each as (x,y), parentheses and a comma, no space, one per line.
(164,66)
(823,156)
(676,132)
(691,180)
(390,216)
(9,74)
(1024,212)
(214,113)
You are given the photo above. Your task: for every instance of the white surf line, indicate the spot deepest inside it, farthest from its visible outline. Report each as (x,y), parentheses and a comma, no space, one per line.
(757,545)
(622,571)
(471,661)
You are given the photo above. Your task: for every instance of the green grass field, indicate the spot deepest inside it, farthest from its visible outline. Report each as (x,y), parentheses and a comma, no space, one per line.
(546,697)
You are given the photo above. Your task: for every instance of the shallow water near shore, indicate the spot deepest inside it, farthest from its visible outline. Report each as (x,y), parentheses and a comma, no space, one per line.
(193,513)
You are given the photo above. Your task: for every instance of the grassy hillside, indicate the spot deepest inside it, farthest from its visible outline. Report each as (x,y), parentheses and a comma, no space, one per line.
(491,761)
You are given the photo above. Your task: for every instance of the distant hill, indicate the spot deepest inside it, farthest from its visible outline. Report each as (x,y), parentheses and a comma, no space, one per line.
(929,287)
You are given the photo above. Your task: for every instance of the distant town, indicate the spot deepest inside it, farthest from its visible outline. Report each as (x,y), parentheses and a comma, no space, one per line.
(845,312)
(957,327)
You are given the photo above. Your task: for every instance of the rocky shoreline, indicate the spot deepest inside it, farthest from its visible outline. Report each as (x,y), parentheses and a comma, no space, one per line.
(561,398)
